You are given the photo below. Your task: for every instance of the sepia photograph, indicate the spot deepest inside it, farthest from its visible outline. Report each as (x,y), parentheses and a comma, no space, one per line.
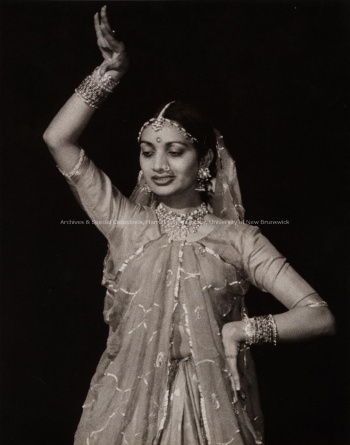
(175,222)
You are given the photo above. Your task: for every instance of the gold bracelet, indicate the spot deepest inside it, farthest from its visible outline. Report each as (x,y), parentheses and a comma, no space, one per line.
(94,89)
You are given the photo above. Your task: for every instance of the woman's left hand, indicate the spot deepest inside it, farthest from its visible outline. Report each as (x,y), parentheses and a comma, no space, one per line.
(232,337)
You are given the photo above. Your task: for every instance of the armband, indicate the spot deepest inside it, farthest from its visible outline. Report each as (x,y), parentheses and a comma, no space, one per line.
(75,169)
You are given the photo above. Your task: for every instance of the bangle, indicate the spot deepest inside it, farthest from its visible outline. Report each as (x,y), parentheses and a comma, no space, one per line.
(260,330)
(95,88)
(317,304)
(75,169)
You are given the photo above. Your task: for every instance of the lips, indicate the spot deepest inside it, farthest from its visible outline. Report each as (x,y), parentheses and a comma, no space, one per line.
(162,180)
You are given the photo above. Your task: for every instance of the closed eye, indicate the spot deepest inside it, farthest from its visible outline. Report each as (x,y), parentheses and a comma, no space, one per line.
(175,153)
(147,154)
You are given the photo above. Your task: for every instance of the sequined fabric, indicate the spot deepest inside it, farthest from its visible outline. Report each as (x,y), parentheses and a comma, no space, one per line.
(163,378)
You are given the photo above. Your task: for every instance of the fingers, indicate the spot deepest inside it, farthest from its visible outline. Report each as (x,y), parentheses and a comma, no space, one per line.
(231,343)
(104,67)
(97,27)
(113,51)
(113,43)
(235,380)
(104,19)
(104,32)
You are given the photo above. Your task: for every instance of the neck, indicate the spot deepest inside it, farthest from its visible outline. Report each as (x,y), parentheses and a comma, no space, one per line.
(183,203)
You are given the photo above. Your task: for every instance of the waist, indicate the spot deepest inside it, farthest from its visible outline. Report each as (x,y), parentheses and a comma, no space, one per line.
(180,348)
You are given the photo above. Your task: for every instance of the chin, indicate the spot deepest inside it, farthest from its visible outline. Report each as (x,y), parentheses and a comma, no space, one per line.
(163,192)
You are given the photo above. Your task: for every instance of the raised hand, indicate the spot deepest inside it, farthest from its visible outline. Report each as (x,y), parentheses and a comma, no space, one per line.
(113,51)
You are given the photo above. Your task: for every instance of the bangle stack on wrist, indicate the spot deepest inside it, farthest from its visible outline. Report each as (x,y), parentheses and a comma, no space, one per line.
(260,330)
(94,89)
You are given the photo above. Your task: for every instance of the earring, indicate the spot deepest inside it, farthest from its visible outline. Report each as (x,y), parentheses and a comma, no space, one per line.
(145,187)
(203,177)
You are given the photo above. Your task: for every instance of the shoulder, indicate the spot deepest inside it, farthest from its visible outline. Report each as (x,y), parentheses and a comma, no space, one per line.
(237,234)
(241,234)
(235,229)
(232,231)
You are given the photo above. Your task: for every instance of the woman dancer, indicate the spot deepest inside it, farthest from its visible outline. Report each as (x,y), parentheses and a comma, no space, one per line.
(177,369)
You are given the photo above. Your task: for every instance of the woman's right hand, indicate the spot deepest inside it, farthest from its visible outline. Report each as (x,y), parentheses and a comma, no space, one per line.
(232,338)
(115,58)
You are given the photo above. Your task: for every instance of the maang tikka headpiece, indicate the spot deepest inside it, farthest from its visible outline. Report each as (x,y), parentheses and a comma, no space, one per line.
(157,124)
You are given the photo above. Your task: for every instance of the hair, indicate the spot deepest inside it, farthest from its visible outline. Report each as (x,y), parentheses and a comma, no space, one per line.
(195,123)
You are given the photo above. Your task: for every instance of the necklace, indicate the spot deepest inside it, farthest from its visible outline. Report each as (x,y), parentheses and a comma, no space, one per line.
(179,225)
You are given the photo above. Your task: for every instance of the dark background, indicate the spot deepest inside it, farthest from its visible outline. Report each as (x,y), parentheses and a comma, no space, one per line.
(273,78)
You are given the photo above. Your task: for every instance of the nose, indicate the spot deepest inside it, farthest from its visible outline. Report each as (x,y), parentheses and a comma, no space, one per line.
(160,163)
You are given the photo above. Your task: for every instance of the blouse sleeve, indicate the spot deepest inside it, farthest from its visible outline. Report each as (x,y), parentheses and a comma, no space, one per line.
(268,269)
(106,206)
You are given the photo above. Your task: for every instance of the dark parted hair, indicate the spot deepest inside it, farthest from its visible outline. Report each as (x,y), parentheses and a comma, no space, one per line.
(195,123)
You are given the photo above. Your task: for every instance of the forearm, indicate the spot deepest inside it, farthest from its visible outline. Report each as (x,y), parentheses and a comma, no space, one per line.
(68,124)
(64,131)
(303,323)
(298,324)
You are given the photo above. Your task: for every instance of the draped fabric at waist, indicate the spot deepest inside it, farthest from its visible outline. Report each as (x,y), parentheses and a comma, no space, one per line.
(180,347)
(172,324)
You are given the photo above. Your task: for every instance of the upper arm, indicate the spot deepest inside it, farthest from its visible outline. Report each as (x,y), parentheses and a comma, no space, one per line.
(268,269)
(99,198)
(67,157)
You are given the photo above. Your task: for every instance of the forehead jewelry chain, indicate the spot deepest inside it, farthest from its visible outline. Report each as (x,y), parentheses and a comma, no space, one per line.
(179,225)
(157,124)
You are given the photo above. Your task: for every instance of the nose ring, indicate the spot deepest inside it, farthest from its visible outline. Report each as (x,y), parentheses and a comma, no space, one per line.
(167,168)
